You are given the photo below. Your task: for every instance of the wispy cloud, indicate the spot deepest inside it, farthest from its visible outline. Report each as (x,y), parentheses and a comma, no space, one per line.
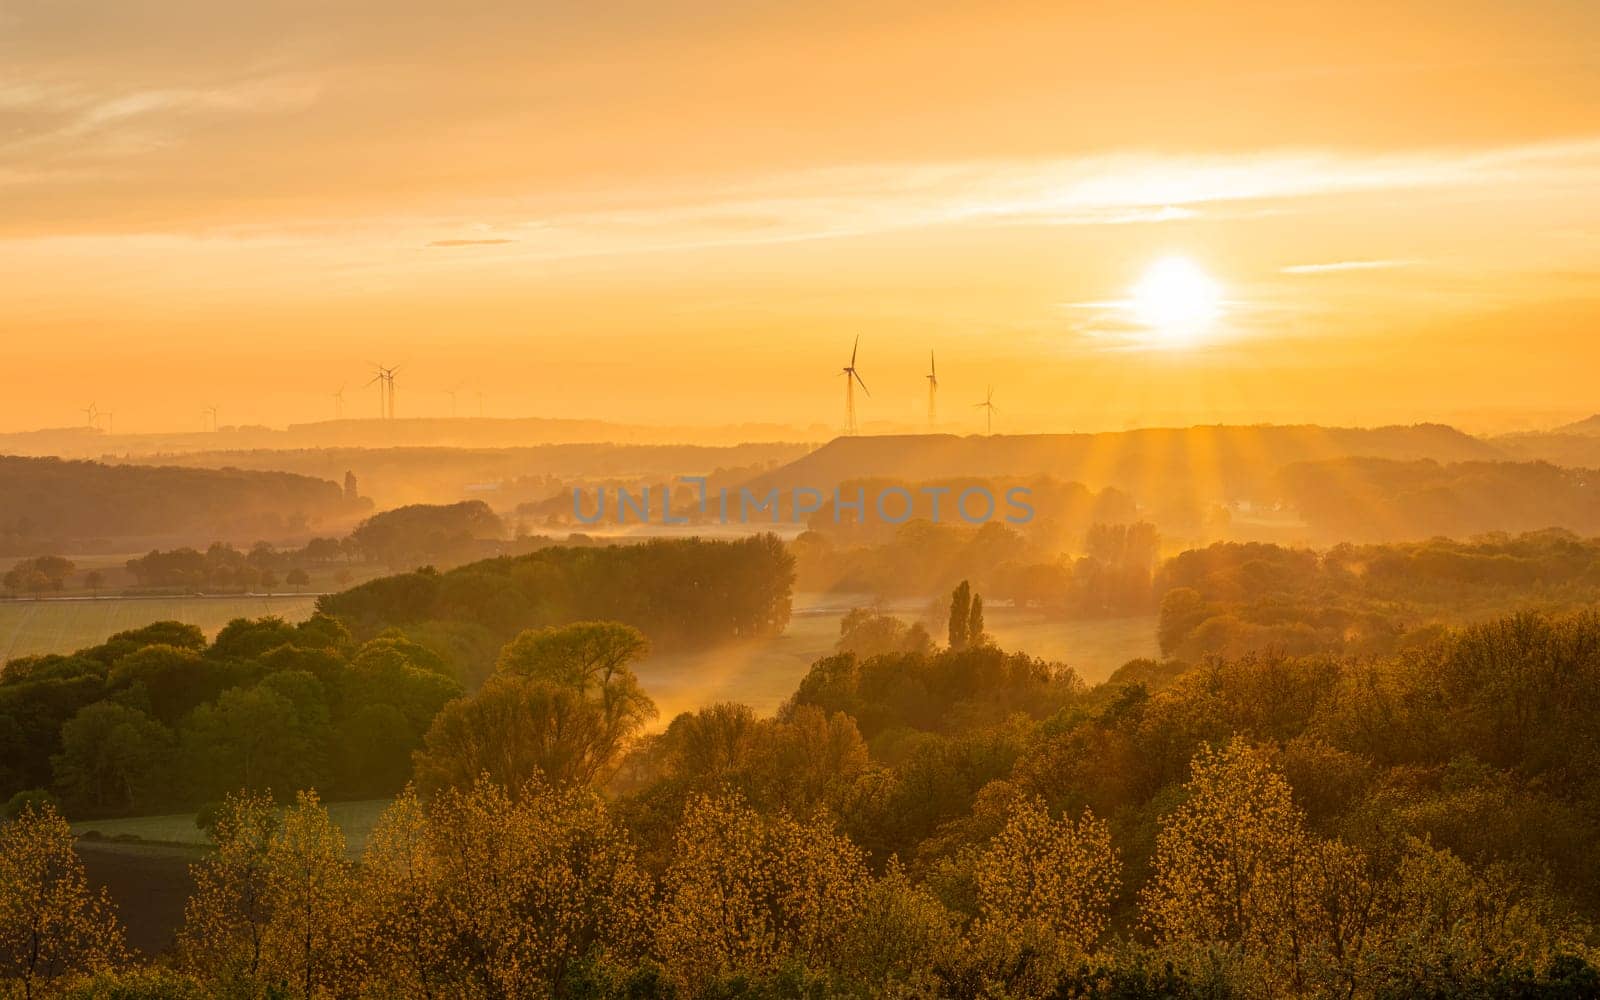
(469,243)
(1346,265)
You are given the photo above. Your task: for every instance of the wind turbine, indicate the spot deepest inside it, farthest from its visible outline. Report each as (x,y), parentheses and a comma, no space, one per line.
(385,380)
(211,411)
(933,391)
(389,377)
(89,415)
(452,394)
(338,402)
(988,406)
(851,378)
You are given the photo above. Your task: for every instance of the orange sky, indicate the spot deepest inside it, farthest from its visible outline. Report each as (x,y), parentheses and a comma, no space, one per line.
(684,213)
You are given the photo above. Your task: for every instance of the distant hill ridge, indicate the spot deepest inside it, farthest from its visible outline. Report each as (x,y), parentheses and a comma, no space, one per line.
(1228,460)
(1588,425)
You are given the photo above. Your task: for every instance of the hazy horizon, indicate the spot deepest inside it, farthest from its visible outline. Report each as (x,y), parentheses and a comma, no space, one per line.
(647,214)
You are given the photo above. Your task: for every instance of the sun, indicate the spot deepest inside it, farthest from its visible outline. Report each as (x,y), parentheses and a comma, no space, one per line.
(1177,301)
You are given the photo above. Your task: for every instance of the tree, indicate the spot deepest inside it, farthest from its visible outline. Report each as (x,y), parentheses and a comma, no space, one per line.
(297,578)
(1236,869)
(224,933)
(269,579)
(562,705)
(529,884)
(514,730)
(869,632)
(592,659)
(94,580)
(1047,883)
(401,890)
(960,615)
(975,636)
(51,926)
(746,893)
(312,932)
(174,681)
(111,758)
(39,574)
(899,935)
(250,738)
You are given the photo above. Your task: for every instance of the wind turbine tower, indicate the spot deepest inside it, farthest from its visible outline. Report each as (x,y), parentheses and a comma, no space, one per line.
(338,403)
(989,408)
(851,379)
(933,392)
(89,415)
(385,381)
(389,378)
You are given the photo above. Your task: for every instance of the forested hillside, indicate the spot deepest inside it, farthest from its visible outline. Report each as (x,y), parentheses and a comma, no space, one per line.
(686,592)
(47,503)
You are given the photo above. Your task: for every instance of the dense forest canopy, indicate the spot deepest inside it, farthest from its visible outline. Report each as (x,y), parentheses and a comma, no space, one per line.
(685,592)
(157,719)
(1233,598)
(954,822)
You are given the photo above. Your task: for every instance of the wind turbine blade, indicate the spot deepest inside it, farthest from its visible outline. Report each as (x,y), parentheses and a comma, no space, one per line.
(862,384)
(853,349)
(933,370)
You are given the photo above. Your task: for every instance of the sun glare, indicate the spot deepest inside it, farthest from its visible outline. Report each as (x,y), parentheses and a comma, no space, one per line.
(1177,300)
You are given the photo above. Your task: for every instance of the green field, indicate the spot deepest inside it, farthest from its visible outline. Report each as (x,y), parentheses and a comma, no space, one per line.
(356,819)
(61,626)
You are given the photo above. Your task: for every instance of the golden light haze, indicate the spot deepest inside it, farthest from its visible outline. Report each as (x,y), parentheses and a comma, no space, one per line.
(685,212)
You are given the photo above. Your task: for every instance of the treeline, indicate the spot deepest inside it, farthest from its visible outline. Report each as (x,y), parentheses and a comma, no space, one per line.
(1422,825)
(1231,598)
(157,719)
(683,592)
(407,536)
(223,567)
(47,504)
(1374,499)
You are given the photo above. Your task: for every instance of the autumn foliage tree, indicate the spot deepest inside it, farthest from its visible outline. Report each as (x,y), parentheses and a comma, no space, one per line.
(1046,885)
(51,925)
(746,893)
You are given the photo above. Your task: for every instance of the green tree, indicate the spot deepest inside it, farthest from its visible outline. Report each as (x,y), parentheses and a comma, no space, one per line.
(563,704)
(250,738)
(112,758)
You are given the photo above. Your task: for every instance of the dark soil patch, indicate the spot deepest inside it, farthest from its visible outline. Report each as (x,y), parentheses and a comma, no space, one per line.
(150,883)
